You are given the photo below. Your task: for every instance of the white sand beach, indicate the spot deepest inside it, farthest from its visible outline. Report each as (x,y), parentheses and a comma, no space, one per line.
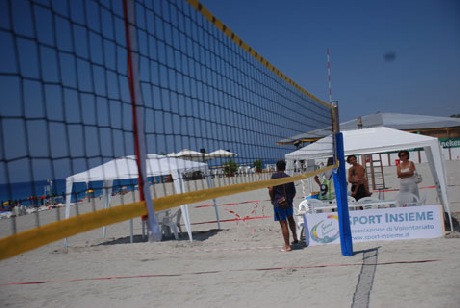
(239,265)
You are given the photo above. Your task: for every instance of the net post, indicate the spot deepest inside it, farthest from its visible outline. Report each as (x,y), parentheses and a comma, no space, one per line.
(340,185)
(154,232)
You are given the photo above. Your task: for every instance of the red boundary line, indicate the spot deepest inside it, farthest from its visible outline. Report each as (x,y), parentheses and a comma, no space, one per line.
(216,272)
(268,200)
(230,204)
(244,202)
(230,220)
(396,189)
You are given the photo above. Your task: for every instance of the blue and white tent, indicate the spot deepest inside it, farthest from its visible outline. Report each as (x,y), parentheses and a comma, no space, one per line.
(381,140)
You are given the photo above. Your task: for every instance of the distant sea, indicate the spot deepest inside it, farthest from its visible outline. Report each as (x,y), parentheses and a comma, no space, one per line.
(38,192)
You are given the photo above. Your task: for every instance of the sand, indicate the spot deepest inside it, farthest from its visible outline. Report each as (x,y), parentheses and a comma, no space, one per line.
(239,265)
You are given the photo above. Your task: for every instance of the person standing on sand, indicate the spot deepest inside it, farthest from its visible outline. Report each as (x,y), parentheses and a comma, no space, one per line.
(284,214)
(406,171)
(357,178)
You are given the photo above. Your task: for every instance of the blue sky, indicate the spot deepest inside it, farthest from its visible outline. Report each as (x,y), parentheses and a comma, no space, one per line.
(64,84)
(423,77)
(66,106)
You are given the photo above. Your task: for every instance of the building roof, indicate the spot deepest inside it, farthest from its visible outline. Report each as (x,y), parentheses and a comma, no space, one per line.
(402,121)
(407,122)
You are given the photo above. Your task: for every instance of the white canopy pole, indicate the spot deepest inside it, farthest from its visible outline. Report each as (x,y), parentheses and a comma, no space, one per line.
(179,186)
(438,170)
(106,197)
(68,197)
(210,185)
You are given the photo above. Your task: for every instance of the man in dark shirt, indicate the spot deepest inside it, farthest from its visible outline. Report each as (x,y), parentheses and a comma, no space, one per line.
(284,214)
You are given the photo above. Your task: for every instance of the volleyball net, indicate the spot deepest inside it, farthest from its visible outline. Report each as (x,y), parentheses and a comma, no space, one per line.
(95,91)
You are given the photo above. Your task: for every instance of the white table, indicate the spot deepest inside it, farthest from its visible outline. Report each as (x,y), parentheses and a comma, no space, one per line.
(333,207)
(328,206)
(379,204)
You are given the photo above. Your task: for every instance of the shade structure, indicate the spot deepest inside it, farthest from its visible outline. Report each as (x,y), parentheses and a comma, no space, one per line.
(126,168)
(381,140)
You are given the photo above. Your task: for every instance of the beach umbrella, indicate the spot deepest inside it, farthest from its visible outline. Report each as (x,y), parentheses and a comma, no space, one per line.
(220,153)
(187,154)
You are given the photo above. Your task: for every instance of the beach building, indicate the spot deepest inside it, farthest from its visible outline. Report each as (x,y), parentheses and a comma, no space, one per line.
(446,129)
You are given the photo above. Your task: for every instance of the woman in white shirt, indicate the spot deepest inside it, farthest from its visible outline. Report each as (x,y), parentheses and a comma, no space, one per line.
(406,172)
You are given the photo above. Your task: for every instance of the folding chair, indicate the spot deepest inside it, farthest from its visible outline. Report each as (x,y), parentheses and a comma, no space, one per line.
(406,199)
(170,223)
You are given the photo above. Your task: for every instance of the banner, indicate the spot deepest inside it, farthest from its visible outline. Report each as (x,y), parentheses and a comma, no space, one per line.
(398,223)
(449,142)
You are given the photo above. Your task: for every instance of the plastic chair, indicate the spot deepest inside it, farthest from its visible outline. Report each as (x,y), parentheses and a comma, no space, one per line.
(350,199)
(168,223)
(406,199)
(368,200)
(309,206)
(422,200)
(306,206)
(313,204)
(303,207)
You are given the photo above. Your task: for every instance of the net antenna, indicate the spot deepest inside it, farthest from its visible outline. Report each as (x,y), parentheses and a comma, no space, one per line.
(329,76)
(335,113)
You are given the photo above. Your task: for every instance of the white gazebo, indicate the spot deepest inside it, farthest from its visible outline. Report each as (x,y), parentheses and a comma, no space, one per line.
(126,168)
(381,140)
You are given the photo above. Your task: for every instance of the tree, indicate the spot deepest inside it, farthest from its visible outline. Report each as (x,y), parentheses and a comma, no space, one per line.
(230,168)
(258,165)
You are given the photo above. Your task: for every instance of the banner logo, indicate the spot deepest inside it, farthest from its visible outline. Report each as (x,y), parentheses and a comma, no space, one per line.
(326,231)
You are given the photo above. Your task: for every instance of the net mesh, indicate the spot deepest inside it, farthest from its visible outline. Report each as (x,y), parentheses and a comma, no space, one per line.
(66,104)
